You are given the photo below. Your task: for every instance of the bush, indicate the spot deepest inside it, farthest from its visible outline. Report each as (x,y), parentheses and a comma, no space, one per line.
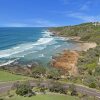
(74,93)
(43,88)
(58,88)
(38,72)
(53,74)
(1,99)
(23,89)
(72,89)
(90,81)
(97,70)
(63,90)
(92,85)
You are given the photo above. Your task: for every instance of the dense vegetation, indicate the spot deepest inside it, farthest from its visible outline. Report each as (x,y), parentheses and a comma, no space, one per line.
(24,91)
(87,31)
(88,63)
(88,67)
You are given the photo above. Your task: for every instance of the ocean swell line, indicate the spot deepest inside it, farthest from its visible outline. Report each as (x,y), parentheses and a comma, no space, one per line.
(45,40)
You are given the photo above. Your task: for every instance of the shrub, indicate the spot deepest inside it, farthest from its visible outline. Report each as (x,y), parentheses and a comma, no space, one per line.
(92,85)
(43,88)
(97,70)
(58,88)
(38,72)
(74,93)
(1,99)
(63,90)
(53,74)
(90,81)
(72,89)
(23,89)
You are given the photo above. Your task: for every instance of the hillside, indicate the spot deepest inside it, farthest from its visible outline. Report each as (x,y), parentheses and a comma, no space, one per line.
(88,63)
(86,31)
(67,62)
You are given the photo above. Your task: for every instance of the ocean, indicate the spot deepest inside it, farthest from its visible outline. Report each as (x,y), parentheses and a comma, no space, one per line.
(26,45)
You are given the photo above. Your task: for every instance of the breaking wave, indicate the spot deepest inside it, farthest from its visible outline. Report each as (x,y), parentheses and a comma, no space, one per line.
(8,63)
(38,45)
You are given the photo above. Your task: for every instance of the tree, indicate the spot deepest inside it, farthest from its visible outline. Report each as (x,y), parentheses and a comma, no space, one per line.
(23,89)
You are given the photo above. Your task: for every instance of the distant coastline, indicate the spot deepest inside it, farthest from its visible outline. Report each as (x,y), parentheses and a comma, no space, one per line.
(83,45)
(28,45)
(78,61)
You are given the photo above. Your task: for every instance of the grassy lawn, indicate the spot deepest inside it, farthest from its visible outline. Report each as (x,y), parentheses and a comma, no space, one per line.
(6,76)
(44,97)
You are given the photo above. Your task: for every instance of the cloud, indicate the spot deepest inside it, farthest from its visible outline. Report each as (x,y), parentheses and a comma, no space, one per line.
(84,17)
(80,13)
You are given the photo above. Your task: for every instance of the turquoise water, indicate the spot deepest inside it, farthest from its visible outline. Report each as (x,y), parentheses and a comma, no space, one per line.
(26,45)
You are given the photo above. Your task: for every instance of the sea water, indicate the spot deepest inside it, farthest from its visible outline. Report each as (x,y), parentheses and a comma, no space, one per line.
(29,44)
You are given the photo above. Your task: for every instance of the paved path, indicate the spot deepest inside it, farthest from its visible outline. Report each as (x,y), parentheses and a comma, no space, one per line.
(4,87)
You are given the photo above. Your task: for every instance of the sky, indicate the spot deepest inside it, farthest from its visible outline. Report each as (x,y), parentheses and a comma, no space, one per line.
(47,13)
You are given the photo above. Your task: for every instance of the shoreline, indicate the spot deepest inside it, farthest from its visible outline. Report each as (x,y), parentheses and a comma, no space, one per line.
(68,59)
(83,45)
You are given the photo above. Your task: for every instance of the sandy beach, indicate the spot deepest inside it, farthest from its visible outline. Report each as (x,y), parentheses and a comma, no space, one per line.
(86,46)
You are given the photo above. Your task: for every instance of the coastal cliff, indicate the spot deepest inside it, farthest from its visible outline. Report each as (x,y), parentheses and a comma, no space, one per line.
(87,35)
(67,62)
(83,32)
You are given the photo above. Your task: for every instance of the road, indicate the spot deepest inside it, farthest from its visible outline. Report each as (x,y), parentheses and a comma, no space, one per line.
(4,87)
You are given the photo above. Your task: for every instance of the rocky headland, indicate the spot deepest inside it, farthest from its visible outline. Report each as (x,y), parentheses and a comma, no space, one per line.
(66,61)
(82,34)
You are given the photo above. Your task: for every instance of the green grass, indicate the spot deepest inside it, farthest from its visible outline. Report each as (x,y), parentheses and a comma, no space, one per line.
(44,97)
(6,76)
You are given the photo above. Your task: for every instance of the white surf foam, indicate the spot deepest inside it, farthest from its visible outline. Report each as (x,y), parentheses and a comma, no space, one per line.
(47,33)
(62,38)
(41,55)
(57,46)
(8,63)
(39,44)
(43,41)
(14,50)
